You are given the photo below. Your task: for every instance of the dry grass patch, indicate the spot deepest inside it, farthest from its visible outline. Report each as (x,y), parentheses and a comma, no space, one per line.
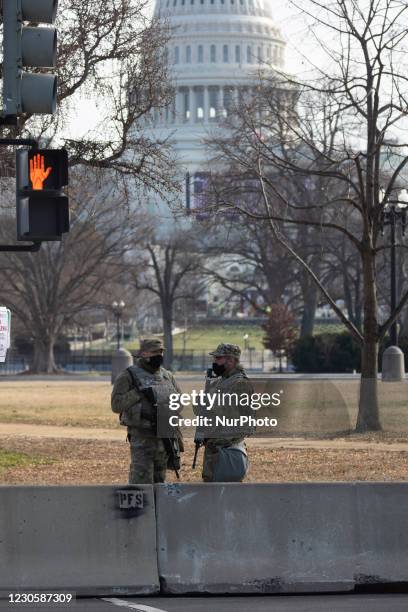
(310,407)
(75,403)
(79,462)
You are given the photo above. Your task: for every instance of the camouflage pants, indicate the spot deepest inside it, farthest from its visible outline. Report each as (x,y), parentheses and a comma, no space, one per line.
(209,461)
(148,461)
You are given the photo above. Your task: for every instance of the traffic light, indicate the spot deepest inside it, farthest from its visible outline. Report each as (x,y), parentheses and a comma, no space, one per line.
(28,46)
(42,207)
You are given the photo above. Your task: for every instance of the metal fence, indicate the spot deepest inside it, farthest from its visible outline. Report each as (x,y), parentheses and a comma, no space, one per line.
(71,361)
(15,363)
(254,361)
(101,361)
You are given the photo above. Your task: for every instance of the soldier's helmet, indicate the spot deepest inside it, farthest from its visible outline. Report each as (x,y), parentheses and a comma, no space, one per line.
(224,349)
(150,345)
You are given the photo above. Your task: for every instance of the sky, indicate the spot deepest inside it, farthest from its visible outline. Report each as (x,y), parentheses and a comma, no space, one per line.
(286,17)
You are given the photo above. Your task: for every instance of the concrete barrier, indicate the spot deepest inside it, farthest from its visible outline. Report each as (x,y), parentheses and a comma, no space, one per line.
(94,540)
(212,538)
(281,538)
(381,531)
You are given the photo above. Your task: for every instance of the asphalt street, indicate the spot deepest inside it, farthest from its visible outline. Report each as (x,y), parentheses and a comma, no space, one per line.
(271,603)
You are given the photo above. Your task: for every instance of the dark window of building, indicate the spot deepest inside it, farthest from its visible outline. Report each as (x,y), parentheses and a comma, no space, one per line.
(213,53)
(186,105)
(238,54)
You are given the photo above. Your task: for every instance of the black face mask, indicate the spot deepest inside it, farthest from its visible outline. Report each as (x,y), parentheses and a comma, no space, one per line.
(218,369)
(155,361)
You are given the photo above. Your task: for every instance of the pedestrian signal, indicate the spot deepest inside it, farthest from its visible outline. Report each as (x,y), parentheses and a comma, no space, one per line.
(42,206)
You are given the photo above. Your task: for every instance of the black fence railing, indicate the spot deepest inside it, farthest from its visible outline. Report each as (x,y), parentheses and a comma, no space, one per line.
(101,361)
(15,363)
(251,360)
(71,361)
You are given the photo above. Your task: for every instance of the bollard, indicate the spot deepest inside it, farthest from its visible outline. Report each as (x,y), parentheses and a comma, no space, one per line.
(121,360)
(393,366)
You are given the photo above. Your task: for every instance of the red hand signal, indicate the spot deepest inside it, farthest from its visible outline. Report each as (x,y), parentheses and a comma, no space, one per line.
(37,172)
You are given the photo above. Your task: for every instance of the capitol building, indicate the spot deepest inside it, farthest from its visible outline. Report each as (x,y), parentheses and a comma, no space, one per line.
(216,51)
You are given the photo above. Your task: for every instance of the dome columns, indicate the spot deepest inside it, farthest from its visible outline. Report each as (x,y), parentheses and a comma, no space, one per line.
(201,104)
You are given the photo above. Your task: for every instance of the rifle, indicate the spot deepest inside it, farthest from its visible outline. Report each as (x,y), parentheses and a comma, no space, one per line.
(199,442)
(171,445)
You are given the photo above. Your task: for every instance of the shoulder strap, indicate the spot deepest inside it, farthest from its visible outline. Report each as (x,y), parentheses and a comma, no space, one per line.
(134,378)
(242,372)
(166,374)
(239,374)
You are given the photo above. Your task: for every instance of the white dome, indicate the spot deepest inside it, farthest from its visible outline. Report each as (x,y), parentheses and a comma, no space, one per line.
(215,52)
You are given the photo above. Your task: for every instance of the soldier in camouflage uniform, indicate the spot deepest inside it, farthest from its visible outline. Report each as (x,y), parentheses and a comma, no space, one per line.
(149,458)
(230,378)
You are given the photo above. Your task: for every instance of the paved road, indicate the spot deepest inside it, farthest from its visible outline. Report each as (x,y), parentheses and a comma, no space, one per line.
(273,603)
(279,603)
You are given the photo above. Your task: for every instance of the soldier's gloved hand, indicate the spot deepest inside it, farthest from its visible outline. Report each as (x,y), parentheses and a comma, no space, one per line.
(199,439)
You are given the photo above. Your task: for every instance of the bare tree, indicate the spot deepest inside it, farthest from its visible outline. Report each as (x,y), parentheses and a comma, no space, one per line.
(339,135)
(246,263)
(169,271)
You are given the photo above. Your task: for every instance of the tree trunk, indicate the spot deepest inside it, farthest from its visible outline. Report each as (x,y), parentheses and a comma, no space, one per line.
(404,324)
(43,361)
(358,306)
(309,291)
(168,340)
(368,418)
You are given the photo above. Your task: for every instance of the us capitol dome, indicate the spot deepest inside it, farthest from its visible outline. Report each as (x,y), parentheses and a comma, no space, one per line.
(215,52)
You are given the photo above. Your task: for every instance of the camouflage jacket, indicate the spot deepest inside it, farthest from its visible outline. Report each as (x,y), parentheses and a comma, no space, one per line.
(131,404)
(235,382)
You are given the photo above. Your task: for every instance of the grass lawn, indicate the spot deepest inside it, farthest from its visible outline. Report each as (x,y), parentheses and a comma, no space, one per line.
(308,407)
(207,337)
(75,403)
(312,409)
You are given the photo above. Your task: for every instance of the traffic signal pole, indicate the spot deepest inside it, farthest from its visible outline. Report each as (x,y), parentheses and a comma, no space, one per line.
(29,142)
(35,246)
(21,248)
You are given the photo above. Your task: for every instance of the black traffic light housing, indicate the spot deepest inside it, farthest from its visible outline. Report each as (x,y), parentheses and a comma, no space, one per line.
(28,44)
(42,207)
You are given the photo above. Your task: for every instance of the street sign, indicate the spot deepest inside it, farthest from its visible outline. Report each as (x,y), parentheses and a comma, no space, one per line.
(5,326)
